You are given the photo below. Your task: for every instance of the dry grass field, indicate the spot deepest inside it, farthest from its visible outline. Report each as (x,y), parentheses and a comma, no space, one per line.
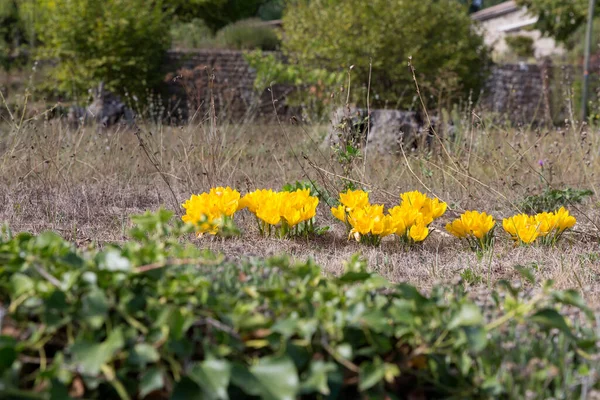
(86,182)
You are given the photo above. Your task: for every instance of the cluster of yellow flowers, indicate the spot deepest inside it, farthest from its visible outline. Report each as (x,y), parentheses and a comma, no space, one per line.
(475,227)
(293,212)
(290,212)
(367,222)
(545,227)
(210,210)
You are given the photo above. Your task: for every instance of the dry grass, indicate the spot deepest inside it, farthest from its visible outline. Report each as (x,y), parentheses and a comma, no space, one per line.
(85,183)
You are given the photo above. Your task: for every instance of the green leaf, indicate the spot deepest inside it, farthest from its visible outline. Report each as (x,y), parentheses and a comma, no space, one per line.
(213,377)
(153,379)
(8,352)
(552,319)
(91,356)
(114,262)
(143,354)
(318,377)
(477,338)
(242,378)
(94,308)
(187,389)
(468,315)
(370,374)
(277,377)
(21,284)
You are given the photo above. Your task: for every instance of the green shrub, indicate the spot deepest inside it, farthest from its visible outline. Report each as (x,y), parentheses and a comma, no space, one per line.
(248,34)
(120,42)
(438,35)
(155,315)
(521,46)
(191,35)
(552,199)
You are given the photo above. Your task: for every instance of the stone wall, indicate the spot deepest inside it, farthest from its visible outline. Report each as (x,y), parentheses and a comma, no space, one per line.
(195,80)
(521,93)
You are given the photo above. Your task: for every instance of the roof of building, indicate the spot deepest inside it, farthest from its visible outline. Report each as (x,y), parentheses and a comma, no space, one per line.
(495,11)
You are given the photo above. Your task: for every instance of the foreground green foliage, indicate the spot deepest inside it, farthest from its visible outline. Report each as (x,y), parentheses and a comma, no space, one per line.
(159,318)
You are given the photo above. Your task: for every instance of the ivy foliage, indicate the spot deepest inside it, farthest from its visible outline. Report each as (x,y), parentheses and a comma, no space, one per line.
(158,318)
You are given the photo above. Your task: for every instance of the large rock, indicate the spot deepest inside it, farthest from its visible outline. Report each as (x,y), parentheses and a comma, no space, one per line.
(106,109)
(384,131)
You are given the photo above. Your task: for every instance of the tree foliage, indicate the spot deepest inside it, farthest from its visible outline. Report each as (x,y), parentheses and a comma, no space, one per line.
(335,34)
(217,13)
(120,42)
(558,18)
(12,34)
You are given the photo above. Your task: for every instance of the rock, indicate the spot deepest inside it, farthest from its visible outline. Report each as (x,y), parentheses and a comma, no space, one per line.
(387,129)
(106,109)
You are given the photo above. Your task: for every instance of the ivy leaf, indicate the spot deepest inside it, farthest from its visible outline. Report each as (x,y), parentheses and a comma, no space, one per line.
(370,374)
(277,377)
(143,354)
(318,377)
(552,319)
(113,261)
(468,315)
(90,356)
(94,308)
(213,377)
(153,379)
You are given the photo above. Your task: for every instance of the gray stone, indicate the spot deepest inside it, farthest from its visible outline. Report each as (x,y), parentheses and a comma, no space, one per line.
(106,109)
(385,131)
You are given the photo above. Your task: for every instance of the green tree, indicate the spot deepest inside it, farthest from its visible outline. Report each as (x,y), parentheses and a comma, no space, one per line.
(120,42)
(558,18)
(216,13)
(439,36)
(12,36)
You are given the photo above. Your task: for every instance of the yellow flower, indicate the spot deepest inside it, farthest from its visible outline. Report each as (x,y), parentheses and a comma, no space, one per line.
(353,199)
(269,212)
(419,231)
(457,228)
(414,199)
(226,200)
(522,228)
(434,208)
(546,223)
(564,220)
(211,208)
(253,200)
(339,212)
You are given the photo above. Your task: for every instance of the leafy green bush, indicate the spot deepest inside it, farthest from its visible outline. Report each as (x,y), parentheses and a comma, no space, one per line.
(248,34)
(191,35)
(438,35)
(120,42)
(520,45)
(552,199)
(313,85)
(157,318)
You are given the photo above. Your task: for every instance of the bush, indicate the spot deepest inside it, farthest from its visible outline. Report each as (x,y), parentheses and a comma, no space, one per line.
(120,42)
(157,316)
(521,46)
(248,34)
(437,34)
(191,35)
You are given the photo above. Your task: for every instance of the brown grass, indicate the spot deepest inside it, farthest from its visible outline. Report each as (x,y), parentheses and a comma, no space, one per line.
(85,183)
